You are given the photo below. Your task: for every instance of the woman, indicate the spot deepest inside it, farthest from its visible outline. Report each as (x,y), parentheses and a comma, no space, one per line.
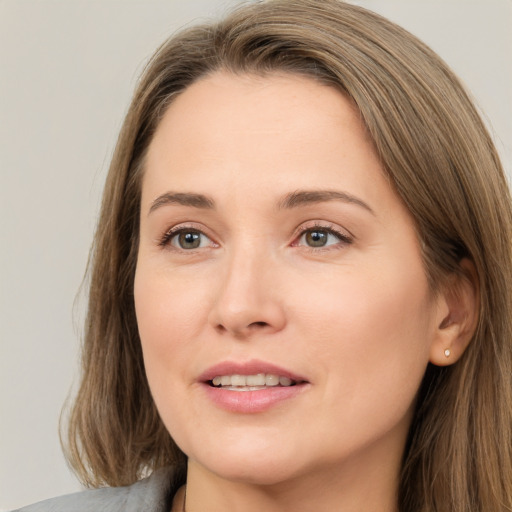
(300,284)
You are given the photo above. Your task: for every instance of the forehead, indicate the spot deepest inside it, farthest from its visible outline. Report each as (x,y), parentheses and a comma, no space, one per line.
(256,106)
(279,129)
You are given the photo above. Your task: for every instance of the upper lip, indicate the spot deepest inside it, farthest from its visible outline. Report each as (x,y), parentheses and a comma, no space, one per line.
(251,367)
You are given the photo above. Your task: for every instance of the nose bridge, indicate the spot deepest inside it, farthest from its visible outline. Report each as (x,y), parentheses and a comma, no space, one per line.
(247,299)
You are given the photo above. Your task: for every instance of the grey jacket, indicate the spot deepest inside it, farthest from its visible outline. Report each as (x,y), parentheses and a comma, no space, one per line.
(152,494)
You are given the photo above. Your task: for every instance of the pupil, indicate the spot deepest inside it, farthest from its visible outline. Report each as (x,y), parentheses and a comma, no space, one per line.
(189,240)
(316,238)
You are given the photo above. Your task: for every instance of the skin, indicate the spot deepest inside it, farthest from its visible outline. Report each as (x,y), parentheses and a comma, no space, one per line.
(356,317)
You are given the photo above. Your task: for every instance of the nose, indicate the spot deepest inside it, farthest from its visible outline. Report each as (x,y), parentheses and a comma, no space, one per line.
(248,299)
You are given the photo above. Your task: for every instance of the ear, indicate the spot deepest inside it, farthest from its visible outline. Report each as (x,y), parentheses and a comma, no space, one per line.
(457,315)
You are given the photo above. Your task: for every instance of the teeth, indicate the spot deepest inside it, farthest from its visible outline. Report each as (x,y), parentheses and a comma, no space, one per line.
(271,380)
(257,381)
(238,380)
(285,381)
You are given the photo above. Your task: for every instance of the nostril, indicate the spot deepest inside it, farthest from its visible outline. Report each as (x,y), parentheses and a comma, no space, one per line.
(258,324)
(242,331)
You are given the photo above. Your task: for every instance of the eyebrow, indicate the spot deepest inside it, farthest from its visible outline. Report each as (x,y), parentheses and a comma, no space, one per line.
(183,199)
(305,197)
(292,200)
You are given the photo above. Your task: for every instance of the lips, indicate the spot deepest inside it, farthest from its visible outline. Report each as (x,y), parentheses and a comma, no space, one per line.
(250,387)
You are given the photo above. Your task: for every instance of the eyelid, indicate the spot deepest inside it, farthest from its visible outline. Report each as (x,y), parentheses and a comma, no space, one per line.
(169,234)
(344,236)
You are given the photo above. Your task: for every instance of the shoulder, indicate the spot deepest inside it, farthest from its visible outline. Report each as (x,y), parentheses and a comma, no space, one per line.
(152,494)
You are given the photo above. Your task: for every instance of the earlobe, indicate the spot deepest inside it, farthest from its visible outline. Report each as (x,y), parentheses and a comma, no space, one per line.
(458,312)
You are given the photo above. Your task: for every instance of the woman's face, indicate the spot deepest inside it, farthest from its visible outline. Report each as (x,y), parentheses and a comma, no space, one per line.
(274,250)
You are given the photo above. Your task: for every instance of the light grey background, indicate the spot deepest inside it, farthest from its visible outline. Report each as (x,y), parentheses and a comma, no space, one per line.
(67,70)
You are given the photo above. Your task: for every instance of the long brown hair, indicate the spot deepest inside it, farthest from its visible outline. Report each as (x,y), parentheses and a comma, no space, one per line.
(443,165)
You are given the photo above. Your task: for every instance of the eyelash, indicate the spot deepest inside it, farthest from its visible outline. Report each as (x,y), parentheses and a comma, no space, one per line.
(174,231)
(344,239)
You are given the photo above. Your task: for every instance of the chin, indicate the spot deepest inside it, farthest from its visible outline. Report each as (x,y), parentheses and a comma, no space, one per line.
(250,463)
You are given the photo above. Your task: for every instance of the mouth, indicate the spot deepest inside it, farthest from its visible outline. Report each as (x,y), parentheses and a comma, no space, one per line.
(256,382)
(251,387)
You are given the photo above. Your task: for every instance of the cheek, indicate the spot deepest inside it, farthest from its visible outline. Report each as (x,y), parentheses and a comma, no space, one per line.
(169,319)
(168,310)
(374,308)
(370,335)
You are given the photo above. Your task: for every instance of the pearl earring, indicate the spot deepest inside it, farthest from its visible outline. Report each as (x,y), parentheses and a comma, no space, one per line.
(447,352)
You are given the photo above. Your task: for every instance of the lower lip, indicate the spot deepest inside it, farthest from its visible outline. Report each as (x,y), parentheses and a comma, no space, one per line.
(252,401)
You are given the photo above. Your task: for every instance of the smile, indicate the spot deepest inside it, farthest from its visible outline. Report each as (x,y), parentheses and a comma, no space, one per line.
(251,382)
(251,386)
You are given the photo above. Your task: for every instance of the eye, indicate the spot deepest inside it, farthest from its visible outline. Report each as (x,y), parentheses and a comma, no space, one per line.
(186,239)
(319,237)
